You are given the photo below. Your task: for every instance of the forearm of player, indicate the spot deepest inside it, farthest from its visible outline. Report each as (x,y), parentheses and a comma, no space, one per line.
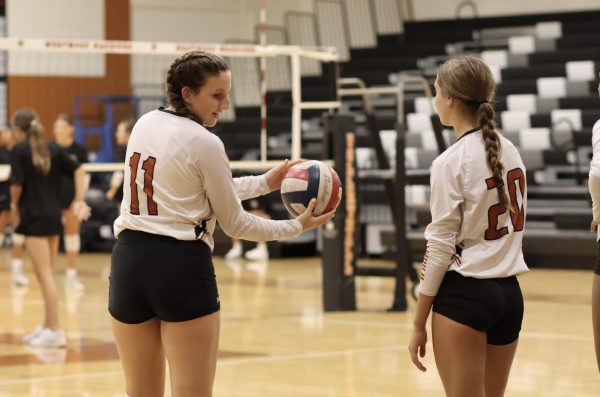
(248,187)
(594,186)
(15,196)
(435,265)
(424,304)
(80,185)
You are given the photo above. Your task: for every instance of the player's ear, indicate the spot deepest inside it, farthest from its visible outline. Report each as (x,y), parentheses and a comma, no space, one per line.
(186,94)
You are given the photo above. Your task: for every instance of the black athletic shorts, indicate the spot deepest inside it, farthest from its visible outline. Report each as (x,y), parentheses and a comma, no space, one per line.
(40,226)
(4,196)
(159,276)
(493,306)
(597,268)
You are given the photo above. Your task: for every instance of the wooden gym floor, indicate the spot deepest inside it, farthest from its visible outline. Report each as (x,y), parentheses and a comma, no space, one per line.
(277,342)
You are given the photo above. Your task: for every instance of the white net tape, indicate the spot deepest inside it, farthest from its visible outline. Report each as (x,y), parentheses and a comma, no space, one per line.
(19,49)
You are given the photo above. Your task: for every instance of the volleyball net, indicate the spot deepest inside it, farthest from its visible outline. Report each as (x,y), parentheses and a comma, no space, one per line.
(102,82)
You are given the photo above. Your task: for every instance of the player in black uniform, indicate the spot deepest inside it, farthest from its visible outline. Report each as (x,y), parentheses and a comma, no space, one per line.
(9,137)
(64,135)
(37,169)
(122,134)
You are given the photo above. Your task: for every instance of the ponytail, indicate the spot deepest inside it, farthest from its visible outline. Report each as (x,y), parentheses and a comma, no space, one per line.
(468,79)
(493,149)
(39,148)
(27,121)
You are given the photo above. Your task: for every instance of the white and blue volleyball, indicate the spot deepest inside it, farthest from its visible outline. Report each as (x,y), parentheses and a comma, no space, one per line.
(307,180)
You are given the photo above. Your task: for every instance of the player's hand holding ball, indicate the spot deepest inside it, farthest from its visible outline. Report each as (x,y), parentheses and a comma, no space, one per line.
(311,191)
(275,175)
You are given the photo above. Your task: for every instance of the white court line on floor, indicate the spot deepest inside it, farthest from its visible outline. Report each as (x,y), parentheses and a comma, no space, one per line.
(290,357)
(60,378)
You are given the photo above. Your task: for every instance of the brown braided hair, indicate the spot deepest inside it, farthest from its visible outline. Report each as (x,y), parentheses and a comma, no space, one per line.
(191,70)
(468,79)
(27,120)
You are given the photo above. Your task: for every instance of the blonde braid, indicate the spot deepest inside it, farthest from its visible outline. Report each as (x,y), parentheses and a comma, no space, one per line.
(493,149)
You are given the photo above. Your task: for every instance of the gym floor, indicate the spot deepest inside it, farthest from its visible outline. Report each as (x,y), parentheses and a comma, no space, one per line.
(276,340)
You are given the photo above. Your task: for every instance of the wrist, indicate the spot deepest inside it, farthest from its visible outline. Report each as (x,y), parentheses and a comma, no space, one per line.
(13,206)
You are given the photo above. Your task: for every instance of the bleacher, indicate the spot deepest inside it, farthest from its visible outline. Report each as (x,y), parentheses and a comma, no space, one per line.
(546,68)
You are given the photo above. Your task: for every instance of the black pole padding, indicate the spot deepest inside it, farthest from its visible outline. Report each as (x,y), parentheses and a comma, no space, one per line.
(338,289)
(403,253)
(339,293)
(331,70)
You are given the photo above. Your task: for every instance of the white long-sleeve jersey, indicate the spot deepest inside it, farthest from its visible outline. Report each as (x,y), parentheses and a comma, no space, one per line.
(470,231)
(594,179)
(178,183)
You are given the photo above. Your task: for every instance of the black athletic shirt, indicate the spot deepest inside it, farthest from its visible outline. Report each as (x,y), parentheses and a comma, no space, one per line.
(67,183)
(40,198)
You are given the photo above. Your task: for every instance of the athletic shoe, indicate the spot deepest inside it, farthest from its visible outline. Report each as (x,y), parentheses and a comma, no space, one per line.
(260,253)
(49,338)
(72,283)
(32,335)
(234,253)
(17,277)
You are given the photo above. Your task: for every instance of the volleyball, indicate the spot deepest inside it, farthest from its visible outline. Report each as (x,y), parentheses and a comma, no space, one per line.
(307,180)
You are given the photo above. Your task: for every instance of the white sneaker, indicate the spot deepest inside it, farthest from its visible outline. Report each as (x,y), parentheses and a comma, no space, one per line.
(49,338)
(234,253)
(72,283)
(260,253)
(17,277)
(32,335)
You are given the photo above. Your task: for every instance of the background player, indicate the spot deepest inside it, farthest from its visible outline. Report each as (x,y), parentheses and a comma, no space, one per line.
(64,135)
(36,211)
(478,204)
(18,278)
(122,134)
(169,210)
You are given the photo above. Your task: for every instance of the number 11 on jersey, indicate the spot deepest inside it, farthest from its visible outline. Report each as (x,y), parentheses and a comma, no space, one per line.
(148,167)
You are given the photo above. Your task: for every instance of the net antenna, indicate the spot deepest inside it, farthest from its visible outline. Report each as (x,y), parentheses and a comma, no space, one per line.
(166,49)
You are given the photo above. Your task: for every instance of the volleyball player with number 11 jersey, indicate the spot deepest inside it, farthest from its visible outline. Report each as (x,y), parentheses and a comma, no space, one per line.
(163,295)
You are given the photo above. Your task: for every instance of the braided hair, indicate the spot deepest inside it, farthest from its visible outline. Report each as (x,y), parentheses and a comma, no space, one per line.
(191,70)
(468,79)
(27,120)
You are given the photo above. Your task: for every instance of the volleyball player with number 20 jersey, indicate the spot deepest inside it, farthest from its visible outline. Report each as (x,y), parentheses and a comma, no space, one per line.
(163,294)
(478,205)
(594,186)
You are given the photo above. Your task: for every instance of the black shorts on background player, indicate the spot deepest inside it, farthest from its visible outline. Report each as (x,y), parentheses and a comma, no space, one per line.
(39,207)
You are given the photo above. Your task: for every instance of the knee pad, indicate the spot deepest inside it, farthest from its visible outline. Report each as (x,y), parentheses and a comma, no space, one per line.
(18,239)
(72,243)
